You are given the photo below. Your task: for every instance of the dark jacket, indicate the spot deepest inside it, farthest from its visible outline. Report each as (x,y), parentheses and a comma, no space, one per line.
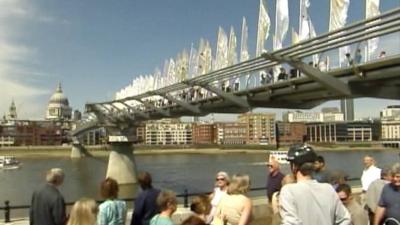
(47,207)
(145,207)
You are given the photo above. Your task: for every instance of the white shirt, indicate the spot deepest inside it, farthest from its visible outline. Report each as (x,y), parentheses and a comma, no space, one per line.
(369,175)
(218,194)
(308,202)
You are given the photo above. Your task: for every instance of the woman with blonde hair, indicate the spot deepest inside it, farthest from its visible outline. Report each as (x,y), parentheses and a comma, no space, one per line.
(84,212)
(201,206)
(235,207)
(168,204)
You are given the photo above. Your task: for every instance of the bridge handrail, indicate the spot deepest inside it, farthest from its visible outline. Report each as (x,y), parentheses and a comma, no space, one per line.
(338,31)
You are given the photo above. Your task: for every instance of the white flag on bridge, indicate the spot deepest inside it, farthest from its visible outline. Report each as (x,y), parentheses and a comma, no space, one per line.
(282,23)
(264,24)
(337,20)
(371,10)
(221,56)
(244,51)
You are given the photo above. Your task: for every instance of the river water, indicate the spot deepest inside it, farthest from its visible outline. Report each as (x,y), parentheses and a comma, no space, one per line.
(177,172)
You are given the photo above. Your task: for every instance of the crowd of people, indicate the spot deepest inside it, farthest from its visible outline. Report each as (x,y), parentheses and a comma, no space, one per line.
(309,194)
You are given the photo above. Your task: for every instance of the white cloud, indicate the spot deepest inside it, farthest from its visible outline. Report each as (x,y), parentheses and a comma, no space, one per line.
(16,75)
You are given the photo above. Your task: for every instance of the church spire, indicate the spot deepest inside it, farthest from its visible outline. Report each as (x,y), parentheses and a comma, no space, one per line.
(12,113)
(59,89)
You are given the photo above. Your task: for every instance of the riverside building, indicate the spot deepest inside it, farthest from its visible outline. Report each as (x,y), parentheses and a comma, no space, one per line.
(231,133)
(260,127)
(168,132)
(355,131)
(390,119)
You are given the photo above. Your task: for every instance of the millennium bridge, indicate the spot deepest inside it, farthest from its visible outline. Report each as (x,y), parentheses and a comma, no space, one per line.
(310,86)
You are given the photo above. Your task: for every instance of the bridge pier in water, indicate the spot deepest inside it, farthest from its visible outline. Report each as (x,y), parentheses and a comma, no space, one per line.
(77,151)
(121,163)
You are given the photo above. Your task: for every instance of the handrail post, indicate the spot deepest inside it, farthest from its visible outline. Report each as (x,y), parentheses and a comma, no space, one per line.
(7,211)
(185,198)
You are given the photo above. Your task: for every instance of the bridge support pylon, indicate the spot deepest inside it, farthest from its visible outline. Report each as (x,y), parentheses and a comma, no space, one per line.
(77,151)
(121,163)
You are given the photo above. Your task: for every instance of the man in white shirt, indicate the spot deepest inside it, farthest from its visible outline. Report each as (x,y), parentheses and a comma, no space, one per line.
(370,172)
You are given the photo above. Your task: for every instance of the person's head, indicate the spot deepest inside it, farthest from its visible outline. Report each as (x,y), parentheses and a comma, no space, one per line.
(282,70)
(358,50)
(337,178)
(55,176)
(273,166)
(348,55)
(109,188)
(201,205)
(319,164)
(302,158)
(167,202)
(193,220)
(386,173)
(144,179)
(396,175)
(84,212)
(240,184)
(222,179)
(383,53)
(344,193)
(368,161)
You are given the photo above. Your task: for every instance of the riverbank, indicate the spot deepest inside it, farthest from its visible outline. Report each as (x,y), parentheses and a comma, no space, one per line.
(103,151)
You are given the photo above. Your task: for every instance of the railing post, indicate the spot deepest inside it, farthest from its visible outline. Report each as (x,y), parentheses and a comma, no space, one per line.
(185,198)
(7,211)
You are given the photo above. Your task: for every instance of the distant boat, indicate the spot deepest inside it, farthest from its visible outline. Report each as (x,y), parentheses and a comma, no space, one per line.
(9,163)
(280,156)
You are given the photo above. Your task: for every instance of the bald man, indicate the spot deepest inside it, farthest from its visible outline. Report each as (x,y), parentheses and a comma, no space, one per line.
(274,181)
(370,173)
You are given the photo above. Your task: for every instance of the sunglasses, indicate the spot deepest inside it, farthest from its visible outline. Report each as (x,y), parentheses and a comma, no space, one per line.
(218,179)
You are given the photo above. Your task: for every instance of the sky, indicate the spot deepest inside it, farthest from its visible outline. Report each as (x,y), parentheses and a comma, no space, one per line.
(96,47)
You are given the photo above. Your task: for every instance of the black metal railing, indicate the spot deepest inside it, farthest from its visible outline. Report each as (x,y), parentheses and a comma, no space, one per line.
(185,195)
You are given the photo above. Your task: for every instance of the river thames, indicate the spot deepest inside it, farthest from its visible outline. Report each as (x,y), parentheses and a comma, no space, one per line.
(180,171)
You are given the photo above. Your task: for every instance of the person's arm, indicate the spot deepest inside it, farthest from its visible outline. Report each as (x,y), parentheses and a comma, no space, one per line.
(245,216)
(379,213)
(58,211)
(287,208)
